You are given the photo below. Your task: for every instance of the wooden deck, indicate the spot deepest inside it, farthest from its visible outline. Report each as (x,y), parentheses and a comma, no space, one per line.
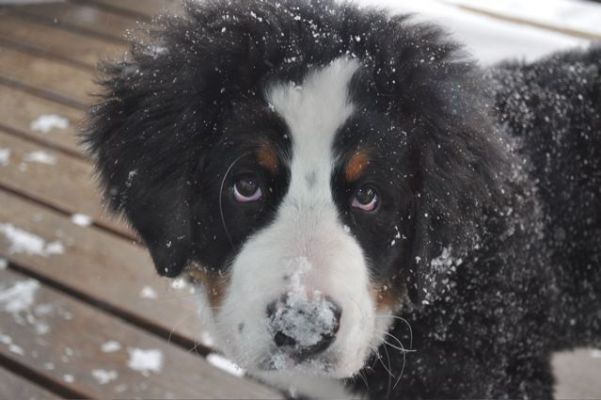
(82,312)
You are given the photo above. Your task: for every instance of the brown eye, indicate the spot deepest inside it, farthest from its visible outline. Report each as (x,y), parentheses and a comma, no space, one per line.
(247,189)
(366,199)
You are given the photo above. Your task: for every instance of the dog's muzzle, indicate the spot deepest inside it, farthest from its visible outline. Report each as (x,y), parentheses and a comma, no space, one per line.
(302,327)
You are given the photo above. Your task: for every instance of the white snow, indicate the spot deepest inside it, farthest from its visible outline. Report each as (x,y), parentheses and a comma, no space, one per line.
(145,361)
(148,293)
(104,376)
(4,157)
(178,283)
(111,346)
(41,157)
(582,16)
(13,348)
(596,353)
(68,378)
(19,296)
(81,219)
(45,123)
(21,241)
(223,363)
(488,39)
(3,263)
(206,339)
(445,261)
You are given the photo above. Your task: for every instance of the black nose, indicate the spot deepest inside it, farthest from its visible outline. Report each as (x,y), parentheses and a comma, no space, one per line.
(303,327)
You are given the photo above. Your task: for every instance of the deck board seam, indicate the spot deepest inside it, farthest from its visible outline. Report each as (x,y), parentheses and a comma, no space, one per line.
(118,39)
(42,93)
(42,53)
(38,141)
(134,320)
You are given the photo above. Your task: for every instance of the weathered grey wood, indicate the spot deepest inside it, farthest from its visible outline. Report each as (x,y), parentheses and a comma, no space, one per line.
(81,19)
(15,387)
(578,374)
(62,181)
(18,110)
(145,8)
(62,339)
(51,75)
(54,40)
(102,266)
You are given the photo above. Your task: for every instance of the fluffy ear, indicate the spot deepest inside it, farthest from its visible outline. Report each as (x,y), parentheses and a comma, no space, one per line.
(144,155)
(460,174)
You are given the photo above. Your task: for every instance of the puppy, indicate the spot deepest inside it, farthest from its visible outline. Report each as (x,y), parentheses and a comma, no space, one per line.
(365,211)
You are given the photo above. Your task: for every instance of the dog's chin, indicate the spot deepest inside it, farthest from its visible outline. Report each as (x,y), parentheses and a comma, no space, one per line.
(280,361)
(334,364)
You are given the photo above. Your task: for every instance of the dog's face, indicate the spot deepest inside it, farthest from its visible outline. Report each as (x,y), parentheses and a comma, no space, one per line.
(304,185)
(311,201)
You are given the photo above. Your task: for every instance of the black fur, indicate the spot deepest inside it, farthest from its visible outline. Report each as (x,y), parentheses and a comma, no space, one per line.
(501,166)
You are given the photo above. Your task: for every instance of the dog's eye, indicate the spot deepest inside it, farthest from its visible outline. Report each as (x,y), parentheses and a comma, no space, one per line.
(366,199)
(247,189)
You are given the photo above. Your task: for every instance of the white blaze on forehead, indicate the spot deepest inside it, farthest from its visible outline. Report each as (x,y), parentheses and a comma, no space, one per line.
(314,112)
(305,252)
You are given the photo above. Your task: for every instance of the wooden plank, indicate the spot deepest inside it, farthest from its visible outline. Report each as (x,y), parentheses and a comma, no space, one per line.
(142,8)
(80,19)
(57,179)
(53,40)
(99,265)
(62,339)
(20,111)
(532,23)
(15,387)
(578,374)
(51,75)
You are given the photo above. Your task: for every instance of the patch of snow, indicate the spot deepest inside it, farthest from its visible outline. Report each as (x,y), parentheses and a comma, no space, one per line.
(21,241)
(4,157)
(55,247)
(3,263)
(489,40)
(104,376)
(301,317)
(596,353)
(224,364)
(145,361)
(156,51)
(68,378)
(45,123)
(5,339)
(41,157)
(178,283)
(13,348)
(148,293)
(19,296)
(567,14)
(445,261)
(111,346)
(81,219)
(206,339)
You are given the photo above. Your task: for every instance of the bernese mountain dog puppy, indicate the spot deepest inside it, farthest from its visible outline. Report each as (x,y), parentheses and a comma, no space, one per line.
(365,211)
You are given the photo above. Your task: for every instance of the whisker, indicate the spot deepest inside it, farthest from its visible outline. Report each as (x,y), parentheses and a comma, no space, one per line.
(223,223)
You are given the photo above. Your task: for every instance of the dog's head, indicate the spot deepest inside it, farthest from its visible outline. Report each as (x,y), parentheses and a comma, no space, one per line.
(312,166)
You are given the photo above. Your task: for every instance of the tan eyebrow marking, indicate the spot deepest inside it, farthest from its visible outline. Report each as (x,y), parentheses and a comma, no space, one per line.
(268,158)
(356,165)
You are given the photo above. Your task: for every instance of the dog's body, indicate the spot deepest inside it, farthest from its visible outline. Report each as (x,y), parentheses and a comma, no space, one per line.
(356,201)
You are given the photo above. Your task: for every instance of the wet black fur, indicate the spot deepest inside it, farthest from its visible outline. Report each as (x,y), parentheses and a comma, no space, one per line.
(501,166)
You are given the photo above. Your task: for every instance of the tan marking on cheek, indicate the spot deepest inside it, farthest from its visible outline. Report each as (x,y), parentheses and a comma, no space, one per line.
(268,158)
(356,165)
(386,297)
(215,284)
